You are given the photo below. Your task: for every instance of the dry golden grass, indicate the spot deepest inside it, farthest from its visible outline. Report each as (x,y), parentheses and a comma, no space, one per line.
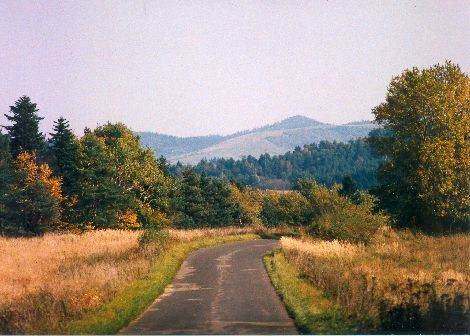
(187,235)
(65,274)
(321,248)
(60,262)
(44,279)
(400,282)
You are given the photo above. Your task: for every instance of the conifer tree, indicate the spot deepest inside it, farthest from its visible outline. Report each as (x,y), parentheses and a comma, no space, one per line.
(189,201)
(7,176)
(24,131)
(4,147)
(63,146)
(349,190)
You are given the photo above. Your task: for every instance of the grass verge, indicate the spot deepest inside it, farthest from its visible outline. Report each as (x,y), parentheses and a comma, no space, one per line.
(312,312)
(140,293)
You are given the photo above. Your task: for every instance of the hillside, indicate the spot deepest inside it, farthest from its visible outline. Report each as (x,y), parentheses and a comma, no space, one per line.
(326,162)
(273,139)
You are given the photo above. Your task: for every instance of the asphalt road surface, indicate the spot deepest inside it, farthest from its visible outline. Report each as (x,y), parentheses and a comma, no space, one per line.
(219,290)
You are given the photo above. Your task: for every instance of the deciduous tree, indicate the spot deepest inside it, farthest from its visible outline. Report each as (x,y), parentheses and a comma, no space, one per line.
(30,204)
(426,114)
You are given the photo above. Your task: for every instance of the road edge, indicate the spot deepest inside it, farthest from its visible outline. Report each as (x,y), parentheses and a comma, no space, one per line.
(139,293)
(311,311)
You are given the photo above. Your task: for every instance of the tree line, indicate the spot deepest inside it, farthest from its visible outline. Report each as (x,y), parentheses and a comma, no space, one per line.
(103,179)
(420,158)
(326,162)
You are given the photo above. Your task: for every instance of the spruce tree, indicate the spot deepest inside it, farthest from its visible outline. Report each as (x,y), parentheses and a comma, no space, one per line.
(7,177)
(189,201)
(4,147)
(349,189)
(64,149)
(24,131)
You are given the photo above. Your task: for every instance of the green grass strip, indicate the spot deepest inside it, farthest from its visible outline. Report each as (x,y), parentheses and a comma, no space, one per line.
(312,312)
(109,318)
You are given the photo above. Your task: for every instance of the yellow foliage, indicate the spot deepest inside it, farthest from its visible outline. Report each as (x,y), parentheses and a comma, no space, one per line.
(27,163)
(428,112)
(251,202)
(54,184)
(128,220)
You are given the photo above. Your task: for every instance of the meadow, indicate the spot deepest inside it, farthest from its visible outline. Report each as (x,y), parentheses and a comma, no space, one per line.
(58,277)
(399,283)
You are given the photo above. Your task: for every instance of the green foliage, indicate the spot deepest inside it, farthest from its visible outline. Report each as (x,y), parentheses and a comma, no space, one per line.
(337,217)
(4,147)
(426,118)
(327,163)
(323,213)
(137,169)
(24,132)
(108,179)
(290,208)
(204,202)
(99,198)
(8,195)
(63,146)
(349,189)
(250,201)
(120,184)
(30,197)
(312,310)
(156,231)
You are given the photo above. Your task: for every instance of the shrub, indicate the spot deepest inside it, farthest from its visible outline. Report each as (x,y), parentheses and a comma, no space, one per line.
(338,217)
(155,230)
(285,208)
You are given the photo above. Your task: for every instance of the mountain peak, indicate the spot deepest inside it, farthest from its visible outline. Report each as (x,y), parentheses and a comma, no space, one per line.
(297,121)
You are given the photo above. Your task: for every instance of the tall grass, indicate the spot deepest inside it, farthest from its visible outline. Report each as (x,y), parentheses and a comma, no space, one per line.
(44,280)
(401,282)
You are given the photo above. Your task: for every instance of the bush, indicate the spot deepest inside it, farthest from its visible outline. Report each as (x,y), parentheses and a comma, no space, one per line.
(338,217)
(287,208)
(250,201)
(156,230)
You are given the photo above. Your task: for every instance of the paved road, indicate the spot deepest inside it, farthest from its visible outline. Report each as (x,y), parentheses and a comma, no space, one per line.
(219,290)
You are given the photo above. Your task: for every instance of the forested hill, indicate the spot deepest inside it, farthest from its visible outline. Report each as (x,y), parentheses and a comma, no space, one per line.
(171,146)
(274,139)
(326,162)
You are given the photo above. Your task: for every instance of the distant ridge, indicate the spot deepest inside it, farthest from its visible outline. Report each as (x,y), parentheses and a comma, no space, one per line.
(296,121)
(274,139)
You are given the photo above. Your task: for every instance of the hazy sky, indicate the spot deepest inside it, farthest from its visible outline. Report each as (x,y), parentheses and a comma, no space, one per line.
(201,67)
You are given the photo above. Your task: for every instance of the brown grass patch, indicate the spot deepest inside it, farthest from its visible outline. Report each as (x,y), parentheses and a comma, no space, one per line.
(401,282)
(46,279)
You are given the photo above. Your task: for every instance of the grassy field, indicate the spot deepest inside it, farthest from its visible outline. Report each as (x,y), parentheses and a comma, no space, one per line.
(95,282)
(401,283)
(312,312)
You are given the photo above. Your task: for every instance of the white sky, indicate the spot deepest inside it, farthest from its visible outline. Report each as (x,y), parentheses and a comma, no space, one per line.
(216,67)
